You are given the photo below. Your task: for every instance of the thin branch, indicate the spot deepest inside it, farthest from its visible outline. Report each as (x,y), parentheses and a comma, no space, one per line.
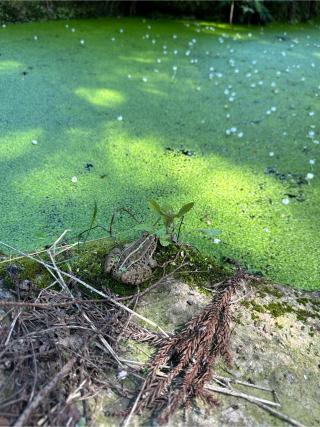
(91,288)
(248,397)
(22,420)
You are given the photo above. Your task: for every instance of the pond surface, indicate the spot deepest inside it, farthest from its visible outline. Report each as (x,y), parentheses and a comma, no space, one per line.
(119,111)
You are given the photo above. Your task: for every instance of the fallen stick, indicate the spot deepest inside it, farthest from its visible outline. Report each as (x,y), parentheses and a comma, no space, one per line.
(262,403)
(248,397)
(91,288)
(45,305)
(21,421)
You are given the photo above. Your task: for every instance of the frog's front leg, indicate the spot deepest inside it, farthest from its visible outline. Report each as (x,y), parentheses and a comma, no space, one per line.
(112,259)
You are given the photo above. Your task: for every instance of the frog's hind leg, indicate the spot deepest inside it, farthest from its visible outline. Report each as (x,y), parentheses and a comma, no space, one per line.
(139,275)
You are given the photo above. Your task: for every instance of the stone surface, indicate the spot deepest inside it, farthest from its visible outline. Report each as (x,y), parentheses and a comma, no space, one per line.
(276,348)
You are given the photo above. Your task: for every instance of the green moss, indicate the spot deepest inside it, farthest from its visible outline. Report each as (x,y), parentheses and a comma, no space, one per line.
(277,309)
(303,301)
(267,289)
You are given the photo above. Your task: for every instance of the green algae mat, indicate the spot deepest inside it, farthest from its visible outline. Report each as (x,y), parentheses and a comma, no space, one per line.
(119,111)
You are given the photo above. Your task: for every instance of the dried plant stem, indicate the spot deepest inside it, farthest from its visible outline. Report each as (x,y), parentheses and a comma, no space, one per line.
(245,396)
(87,286)
(134,406)
(12,328)
(21,421)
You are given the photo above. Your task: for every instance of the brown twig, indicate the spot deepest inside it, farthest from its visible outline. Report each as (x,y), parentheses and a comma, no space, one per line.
(23,418)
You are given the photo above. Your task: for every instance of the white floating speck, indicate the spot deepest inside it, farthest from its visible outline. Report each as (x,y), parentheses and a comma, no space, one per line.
(35,38)
(119,118)
(144,79)
(240,134)
(74,179)
(311,113)
(311,134)
(121,30)
(273,109)
(309,176)
(34,142)
(73,30)
(271,153)
(82,42)
(113,39)
(216,241)
(285,201)
(312,161)
(129,76)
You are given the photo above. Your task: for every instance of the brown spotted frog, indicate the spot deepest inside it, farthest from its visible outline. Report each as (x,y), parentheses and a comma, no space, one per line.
(133,263)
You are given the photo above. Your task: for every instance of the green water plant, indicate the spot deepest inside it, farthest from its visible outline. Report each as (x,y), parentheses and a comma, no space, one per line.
(169,230)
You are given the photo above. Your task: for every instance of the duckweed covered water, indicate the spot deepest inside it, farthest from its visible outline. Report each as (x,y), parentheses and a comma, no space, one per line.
(124,110)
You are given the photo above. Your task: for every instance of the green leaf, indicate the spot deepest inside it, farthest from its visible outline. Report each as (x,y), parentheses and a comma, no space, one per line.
(185,209)
(94,215)
(164,242)
(155,207)
(161,232)
(144,227)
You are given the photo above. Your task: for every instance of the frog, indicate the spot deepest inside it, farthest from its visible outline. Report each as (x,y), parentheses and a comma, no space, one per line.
(133,263)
